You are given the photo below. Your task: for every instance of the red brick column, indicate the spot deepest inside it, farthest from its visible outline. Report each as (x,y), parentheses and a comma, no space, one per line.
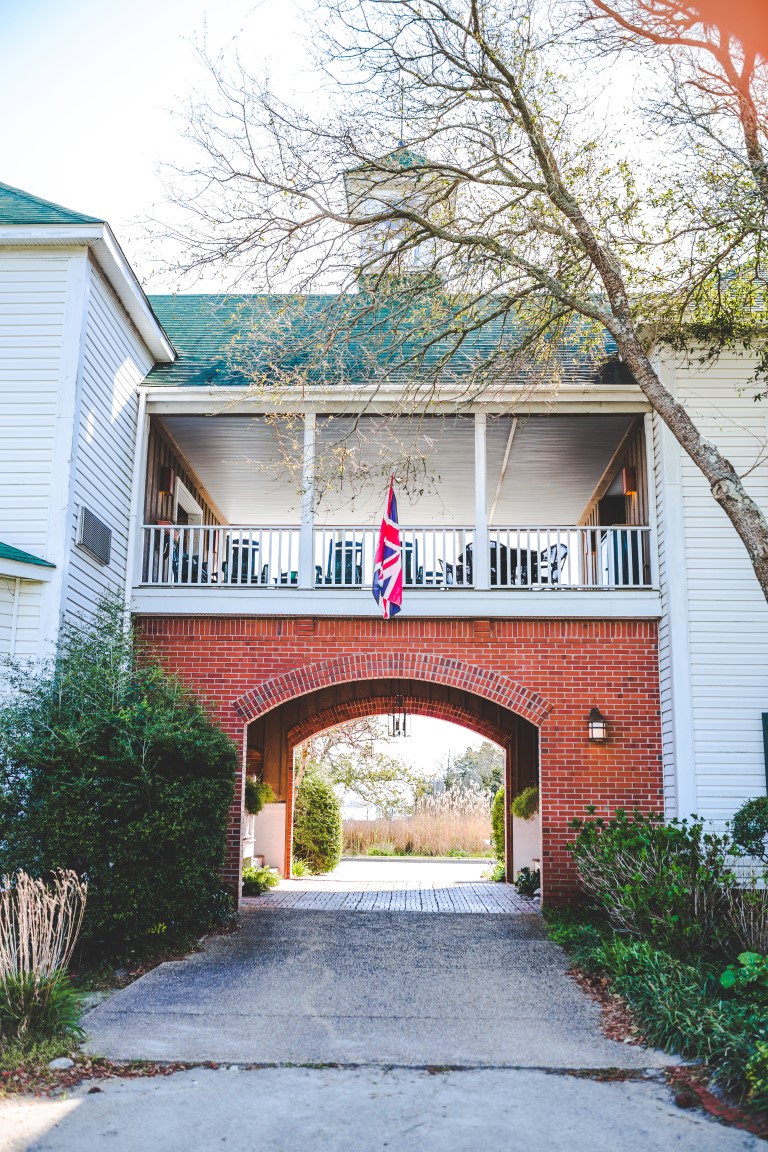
(549,671)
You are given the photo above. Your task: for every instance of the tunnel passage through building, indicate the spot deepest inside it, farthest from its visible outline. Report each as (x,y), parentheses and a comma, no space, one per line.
(273,738)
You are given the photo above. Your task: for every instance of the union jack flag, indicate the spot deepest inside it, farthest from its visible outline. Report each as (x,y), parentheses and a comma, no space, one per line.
(388,563)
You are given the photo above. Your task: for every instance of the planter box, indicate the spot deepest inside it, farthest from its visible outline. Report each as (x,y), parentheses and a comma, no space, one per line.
(526,842)
(266,835)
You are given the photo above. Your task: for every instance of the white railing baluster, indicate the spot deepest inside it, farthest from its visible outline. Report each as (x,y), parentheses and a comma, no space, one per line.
(529,556)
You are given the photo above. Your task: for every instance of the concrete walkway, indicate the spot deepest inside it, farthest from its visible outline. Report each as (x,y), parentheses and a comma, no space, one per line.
(365,1110)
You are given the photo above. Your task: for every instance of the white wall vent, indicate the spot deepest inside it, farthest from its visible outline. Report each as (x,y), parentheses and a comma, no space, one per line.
(94,536)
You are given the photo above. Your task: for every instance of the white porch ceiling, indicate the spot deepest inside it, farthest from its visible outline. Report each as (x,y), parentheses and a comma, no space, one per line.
(251,467)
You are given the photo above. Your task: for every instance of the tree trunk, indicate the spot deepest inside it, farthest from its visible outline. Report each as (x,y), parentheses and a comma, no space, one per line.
(725,484)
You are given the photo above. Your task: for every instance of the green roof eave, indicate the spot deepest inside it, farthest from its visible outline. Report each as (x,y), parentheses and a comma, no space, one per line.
(16,563)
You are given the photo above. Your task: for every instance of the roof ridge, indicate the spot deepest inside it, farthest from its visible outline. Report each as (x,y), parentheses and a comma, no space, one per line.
(9,193)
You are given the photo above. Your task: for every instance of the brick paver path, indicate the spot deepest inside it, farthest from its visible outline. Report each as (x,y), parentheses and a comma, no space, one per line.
(434,891)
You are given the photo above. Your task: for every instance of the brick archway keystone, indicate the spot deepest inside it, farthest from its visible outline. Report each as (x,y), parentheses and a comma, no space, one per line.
(402,666)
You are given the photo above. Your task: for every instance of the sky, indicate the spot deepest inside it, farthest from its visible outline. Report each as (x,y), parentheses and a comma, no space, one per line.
(93,91)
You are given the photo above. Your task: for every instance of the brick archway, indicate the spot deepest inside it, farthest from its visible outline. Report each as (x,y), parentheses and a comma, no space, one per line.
(549,672)
(274,735)
(394,666)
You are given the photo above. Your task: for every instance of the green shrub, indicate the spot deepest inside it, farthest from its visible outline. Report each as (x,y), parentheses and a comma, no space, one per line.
(528,881)
(497,825)
(676,1004)
(756,1073)
(749,978)
(112,768)
(526,805)
(36,1007)
(497,874)
(257,881)
(257,794)
(301,868)
(317,836)
(663,882)
(749,827)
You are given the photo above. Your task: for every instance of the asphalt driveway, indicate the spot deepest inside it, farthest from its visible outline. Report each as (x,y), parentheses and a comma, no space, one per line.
(366,988)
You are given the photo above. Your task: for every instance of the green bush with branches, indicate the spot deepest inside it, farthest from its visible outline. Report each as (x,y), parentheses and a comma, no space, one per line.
(112,768)
(666,883)
(317,831)
(258,881)
(749,828)
(497,826)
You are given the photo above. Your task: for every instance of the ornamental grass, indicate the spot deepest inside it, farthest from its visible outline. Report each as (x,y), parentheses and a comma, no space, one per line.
(39,926)
(456,821)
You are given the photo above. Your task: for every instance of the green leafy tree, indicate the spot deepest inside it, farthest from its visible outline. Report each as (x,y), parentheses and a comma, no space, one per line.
(482,766)
(112,768)
(355,758)
(515,211)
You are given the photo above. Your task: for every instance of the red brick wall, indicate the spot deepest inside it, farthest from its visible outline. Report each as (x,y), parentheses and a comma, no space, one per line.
(550,672)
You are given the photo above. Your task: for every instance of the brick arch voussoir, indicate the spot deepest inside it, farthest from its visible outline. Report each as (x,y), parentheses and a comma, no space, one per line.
(482,682)
(380,705)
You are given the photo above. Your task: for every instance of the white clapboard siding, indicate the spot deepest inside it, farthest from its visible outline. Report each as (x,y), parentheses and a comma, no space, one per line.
(114,362)
(19,622)
(33,298)
(727,613)
(665,669)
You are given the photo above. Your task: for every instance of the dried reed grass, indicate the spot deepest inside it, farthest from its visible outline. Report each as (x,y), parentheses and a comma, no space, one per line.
(39,925)
(457,820)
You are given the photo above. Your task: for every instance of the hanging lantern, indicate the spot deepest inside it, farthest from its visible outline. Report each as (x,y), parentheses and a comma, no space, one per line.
(399,720)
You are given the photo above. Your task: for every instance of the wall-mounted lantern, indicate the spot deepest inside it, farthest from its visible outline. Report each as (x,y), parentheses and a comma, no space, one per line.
(598,726)
(399,720)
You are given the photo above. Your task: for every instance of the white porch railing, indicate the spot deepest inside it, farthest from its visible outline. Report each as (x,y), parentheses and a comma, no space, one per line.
(581,558)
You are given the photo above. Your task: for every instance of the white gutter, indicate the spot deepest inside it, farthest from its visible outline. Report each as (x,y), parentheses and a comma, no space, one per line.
(18,569)
(137,489)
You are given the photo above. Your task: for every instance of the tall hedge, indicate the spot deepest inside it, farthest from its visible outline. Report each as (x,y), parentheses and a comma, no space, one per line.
(497,825)
(317,836)
(113,768)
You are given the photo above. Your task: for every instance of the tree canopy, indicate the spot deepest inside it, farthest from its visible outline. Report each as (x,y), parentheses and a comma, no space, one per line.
(462,167)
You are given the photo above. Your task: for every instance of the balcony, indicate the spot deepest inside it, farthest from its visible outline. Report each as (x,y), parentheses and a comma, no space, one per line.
(527,559)
(306,556)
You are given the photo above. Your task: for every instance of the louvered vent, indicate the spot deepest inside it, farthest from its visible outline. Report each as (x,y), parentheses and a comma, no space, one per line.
(94,536)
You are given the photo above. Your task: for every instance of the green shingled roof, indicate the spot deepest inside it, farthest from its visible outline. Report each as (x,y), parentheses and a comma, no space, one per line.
(7,552)
(18,207)
(231,340)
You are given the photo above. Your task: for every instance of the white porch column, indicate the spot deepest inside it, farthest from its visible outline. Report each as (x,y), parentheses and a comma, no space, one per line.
(307,532)
(481,564)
